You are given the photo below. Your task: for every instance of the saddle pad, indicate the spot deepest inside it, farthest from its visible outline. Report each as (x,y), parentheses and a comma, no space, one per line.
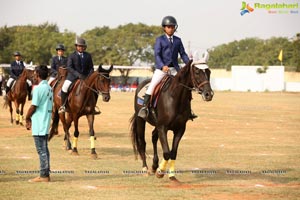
(140,95)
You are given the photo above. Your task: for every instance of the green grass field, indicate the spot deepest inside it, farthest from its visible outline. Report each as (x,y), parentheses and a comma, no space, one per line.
(242,146)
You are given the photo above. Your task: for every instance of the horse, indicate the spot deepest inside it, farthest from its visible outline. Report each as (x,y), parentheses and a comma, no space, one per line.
(82,100)
(171,113)
(18,94)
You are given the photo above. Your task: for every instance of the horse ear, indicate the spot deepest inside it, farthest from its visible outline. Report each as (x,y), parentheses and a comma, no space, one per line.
(100,68)
(111,68)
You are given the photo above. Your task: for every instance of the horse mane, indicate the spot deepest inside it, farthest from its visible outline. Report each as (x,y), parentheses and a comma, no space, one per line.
(182,74)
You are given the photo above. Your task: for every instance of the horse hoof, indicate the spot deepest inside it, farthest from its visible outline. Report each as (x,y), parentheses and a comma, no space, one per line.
(159,173)
(145,171)
(94,156)
(174,180)
(74,153)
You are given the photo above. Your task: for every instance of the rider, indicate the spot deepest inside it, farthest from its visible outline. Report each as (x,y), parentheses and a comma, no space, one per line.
(16,69)
(57,61)
(166,50)
(79,65)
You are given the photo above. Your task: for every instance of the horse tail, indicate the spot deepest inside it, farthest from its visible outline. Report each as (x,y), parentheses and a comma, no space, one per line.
(134,134)
(54,126)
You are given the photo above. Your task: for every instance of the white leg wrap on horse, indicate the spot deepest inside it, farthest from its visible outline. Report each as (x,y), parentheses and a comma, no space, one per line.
(163,165)
(156,78)
(172,168)
(17,117)
(92,138)
(21,119)
(75,140)
(66,86)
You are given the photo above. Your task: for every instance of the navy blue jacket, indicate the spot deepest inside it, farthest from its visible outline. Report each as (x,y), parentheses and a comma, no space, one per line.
(16,70)
(77,68)
(56,63)
(167,53)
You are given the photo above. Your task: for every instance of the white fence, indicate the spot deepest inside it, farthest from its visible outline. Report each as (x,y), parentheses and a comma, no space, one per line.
(243,78)
(247,78)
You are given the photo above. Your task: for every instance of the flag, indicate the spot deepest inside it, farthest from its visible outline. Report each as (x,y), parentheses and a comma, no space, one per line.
(280,56)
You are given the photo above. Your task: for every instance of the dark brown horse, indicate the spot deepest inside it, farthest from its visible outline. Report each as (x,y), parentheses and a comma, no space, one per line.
(171,113)
(18,94)
(81,101)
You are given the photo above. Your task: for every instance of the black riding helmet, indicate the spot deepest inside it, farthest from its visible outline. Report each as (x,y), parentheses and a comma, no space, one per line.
(17,53)
(60,47)
(169,21)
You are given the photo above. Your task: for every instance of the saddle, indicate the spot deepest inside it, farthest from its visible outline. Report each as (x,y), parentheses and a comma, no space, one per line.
(163,84)
(61,76)
(74,88)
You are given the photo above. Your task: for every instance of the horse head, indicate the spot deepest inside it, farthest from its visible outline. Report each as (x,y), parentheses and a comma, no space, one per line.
(200,78)
(30,75)
(103,82)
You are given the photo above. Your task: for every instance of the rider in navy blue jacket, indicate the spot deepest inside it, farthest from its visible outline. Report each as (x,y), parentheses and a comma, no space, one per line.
(79,65)
(16,69)
(166,50)
(57,61)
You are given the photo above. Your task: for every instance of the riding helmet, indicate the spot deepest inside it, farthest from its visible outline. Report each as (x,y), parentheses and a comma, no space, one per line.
(169,21)
(17,53)
(80,41)
(60,47)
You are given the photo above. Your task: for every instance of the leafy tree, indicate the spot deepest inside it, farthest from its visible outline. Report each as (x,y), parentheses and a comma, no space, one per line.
(254,51)
(126,45)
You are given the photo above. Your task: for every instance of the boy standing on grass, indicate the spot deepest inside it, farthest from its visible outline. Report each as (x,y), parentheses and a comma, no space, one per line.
(38,119)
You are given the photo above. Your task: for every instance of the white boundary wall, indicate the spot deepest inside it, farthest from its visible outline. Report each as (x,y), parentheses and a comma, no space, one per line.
(246,78)
(243,78)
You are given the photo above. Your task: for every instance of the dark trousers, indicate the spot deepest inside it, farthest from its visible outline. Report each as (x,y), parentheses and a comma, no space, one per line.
(41,144)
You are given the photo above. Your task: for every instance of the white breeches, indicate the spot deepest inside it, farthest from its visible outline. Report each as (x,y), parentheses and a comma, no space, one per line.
(156,78)
(51,79)
(10,80)
(66,86)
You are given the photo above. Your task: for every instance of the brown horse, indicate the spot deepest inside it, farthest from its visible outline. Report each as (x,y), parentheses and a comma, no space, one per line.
(171,113)
(18,94)
(82,100)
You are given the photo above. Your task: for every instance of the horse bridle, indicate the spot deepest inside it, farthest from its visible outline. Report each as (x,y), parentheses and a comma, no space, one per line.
(196,85)
(100,91)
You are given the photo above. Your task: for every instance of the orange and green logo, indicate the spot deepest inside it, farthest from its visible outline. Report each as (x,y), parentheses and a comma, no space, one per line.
(245,8)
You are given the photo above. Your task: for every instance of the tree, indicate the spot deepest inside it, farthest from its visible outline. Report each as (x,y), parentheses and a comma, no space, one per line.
(127,45)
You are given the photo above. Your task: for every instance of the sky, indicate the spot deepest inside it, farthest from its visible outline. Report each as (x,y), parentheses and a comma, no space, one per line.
(201,24)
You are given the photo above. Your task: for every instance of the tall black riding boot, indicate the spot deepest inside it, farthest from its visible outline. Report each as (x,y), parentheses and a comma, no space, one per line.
(143,113)
(7,89)
(63,97)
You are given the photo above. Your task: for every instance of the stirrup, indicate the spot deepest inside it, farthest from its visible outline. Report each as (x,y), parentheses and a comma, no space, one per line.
(143,113)
(62,109)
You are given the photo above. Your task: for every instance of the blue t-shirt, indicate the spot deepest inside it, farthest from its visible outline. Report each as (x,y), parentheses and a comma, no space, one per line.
(42,98)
